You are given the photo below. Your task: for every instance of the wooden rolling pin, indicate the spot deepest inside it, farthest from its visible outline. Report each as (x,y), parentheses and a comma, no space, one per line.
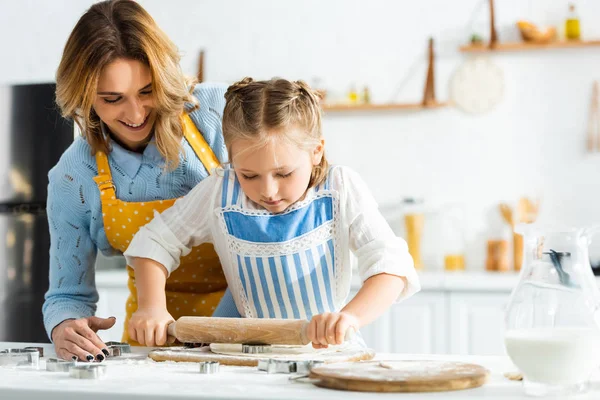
(242,330)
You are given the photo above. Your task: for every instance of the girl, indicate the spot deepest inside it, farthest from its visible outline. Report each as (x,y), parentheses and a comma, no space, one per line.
(149,136)
(283,223)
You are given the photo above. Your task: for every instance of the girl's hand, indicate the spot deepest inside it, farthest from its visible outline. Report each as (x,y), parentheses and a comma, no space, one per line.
(148,326)
(76,339)
(330,328)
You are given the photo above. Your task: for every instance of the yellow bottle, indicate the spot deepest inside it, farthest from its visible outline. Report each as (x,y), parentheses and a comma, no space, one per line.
(352,95)
(572,27)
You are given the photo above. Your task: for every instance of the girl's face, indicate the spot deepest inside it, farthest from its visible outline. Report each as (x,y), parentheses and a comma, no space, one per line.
(276,175)
(124,102)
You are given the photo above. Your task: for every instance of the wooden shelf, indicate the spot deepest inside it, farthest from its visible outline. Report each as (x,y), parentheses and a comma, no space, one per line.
(381,107)
(524,46)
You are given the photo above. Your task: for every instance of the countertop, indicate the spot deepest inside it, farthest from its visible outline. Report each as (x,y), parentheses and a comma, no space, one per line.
(143,378)
(472,281)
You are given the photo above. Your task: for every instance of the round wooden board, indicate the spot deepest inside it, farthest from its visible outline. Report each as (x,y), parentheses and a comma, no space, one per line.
(184,354)
(399,376)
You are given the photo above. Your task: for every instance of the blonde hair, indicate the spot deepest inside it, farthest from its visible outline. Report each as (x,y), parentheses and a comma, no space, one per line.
(110,30)
(259,110)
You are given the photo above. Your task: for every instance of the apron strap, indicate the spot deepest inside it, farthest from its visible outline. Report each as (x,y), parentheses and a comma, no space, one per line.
(198,143)
(104,177)
(192,135)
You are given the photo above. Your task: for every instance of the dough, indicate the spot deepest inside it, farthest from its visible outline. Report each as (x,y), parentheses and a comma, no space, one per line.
(231,354)
(289,352)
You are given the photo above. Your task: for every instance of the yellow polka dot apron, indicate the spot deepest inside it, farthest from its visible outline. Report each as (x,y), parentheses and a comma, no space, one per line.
(196,287)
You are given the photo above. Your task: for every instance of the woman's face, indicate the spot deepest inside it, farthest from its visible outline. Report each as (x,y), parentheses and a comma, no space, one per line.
(125,103)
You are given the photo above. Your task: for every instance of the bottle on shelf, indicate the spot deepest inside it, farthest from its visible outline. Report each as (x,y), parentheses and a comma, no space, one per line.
(366,95)
(572,25)
(352,95)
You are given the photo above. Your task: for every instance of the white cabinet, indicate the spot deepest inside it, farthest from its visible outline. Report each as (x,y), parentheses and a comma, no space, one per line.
(477,322)
(415,326)
(442,322)
(112,304)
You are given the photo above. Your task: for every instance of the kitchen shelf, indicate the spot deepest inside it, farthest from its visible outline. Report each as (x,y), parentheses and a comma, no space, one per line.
(524,46)
(428,102)
(382,107)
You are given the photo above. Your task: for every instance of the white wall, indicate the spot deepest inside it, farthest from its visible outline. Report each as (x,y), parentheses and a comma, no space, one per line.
(532,142)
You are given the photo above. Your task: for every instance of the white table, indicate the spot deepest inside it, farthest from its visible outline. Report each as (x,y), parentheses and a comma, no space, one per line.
(143,378)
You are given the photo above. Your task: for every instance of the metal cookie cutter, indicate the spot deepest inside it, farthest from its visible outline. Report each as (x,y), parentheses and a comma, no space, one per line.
(256,348)
(39,349)
(116,349)
(274,366)
(87,371)
(58,365)
(20,358)
(209,367)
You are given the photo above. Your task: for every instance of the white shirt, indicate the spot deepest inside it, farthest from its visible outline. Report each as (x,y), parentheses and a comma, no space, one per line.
(282,265)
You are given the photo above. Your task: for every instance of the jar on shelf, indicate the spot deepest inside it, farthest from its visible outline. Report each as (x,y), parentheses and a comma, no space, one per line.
(453,233)
(414,220)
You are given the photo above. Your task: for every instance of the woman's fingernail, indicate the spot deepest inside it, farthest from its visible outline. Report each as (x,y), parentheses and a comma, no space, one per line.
(74,358)
(90,357)
(100,357)
(106,353)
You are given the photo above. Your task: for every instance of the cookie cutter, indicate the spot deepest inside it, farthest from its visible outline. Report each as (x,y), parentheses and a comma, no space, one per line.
(116,349)
(87,371)
(59,365)
(20,358)
(256,348)
(39,349)
(274,366)
(209,367)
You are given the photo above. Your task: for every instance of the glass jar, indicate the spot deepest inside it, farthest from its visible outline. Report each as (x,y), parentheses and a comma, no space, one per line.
(552,319)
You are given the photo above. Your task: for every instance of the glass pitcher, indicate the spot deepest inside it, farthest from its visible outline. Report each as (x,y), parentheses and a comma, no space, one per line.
(552,319)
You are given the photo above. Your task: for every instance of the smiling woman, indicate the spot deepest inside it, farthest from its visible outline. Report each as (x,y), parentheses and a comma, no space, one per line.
(125,103)
(149,135)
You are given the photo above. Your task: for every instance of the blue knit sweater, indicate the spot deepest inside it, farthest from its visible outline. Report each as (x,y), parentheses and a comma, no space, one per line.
(74,208)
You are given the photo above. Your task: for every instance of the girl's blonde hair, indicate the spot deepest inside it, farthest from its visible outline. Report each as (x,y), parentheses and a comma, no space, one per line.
(259,110)
(110,30)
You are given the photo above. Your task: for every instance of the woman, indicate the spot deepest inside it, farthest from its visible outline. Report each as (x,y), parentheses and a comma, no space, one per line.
(148,136)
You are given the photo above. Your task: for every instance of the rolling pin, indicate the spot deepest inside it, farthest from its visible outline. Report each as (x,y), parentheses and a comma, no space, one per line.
(242,330)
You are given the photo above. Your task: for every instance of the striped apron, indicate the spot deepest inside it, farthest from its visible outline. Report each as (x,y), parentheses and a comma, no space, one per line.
(284,265)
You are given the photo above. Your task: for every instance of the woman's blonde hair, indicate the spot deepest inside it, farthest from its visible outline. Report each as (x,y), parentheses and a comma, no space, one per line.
(258,110)
(110,30)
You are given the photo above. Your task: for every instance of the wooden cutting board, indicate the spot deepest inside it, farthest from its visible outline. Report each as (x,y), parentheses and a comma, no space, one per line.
(399,376)
(183,354)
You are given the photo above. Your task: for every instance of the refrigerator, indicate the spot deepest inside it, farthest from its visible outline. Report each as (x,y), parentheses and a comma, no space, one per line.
(33,136)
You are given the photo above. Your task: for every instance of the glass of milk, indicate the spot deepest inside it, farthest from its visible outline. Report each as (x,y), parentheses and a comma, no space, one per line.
(553,318)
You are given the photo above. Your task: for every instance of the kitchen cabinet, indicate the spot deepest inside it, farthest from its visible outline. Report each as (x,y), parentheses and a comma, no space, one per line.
(442,322)
(417,325)
(477,322)
(113,295)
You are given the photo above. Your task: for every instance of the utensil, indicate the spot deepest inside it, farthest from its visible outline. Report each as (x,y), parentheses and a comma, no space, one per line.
(258,331)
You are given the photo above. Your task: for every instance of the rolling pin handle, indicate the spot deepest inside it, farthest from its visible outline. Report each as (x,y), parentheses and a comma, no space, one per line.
(171,334)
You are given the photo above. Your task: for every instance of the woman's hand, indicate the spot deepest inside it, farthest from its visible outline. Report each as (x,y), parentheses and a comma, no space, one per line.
(148,326)
(77,338)
(330,328)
